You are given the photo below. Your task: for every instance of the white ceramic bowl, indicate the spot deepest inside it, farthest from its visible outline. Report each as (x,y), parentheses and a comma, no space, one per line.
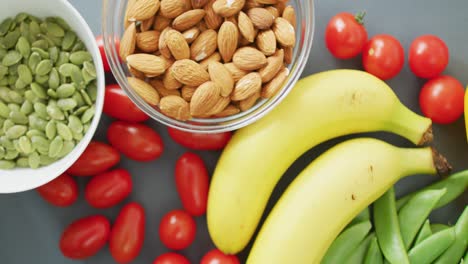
(18,180)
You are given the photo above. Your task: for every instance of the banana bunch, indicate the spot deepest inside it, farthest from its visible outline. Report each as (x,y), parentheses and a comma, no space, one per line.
(334,188)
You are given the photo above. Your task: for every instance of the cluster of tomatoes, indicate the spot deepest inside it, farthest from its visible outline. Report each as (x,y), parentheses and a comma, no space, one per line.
(441,97)
(110,185)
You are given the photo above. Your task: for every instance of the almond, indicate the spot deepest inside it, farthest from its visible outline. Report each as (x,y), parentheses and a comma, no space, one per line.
(281,5)
(228,8)
(228,111)
(272,88)
(175,107)
(246,27)
(163,44)
(290,15)
(204,46)
(284,32)
(212,20)
(127,20)
(161,23)
(247,86)
(159,86)
(147,24)
(204,99)
(261,18)
(169,81)
(202,26)
(199,3)
(187,92)
(189,72)
(266,42)
(249,59)
(144,90)
(148,41)
(228,38)
(176,43)
(268,2)
(215,57)
(150,65)
(273,11)
(174,8)
(136,73)
(249,4)
(274,65)
(188,19)
(222,77)
(222,103)
(288,55)
(169,61)
(236,73)
(143,9)
(246,104)
(191,35)
(128,42)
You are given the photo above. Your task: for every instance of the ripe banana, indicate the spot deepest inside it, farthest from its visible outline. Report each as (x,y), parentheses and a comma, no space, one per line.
(320,107)
(329,193)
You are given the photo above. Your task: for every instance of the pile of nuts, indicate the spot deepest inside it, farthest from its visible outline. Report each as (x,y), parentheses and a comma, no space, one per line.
(207,58)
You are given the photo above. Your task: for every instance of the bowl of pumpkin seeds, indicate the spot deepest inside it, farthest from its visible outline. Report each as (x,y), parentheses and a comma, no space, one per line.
(51,91)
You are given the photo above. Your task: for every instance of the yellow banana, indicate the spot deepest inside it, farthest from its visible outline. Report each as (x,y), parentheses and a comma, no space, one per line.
(320,107)
(329,193)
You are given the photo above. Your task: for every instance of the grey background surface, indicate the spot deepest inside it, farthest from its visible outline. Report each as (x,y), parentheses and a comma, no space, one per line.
(30,228)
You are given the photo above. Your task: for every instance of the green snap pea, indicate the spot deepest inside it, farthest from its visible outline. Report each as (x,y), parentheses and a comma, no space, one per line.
(359,254)
(364,215)
(455,184)
(373,254)
(424,233)
(465,258)
(345,244)
(415,212)
(455,252)
(432,247)
(387,229)
(438,227)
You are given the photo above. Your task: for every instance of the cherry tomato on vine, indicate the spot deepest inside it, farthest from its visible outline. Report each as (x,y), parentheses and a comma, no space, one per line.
(85,237)
(383,56)
(441,99)
(171,258)
(200,141)
(108,189)
(97,158)
(192,183)
(345,35)
(128,233)
(428,56)
(177,230)
(118,105)
(215,256)
(62,191)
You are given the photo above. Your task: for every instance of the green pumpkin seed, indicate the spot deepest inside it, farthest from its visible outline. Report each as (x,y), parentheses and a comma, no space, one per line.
(24,29)
(41,79)
(41,144)
(36,122)
(80,110)
(35,132)
(44,67)
(30,96)
(54,54)
(55,30)
(89,68)
(51,130)
(43,27)
(14,107)
(7,124)
(88,115)
(79,57)
(6,165)
(75,125)
(64,79)
(26,107)
(2,120)
(16,144)
(66,104)
(48,39)
(86,97)
(12,81)
(23,47)
(55,147)
(68,40)
(41,110)
(3,71)
(46,160)
(63,58)
(13,70)
(67,69)
(34,160)
(61,22)
(25,145)
(38,90)
(20,17)
(18,118)
(33,61)
(2,152)
(68,146)
(16,131)
(4,110)
(34,28)
(3,52)
(3,81)
(66,90)
(79,45)
(20,84)
(11,58)
(41,44)
(52,93)
(56,41)
(15,97)
(6,143)
(55,112)
(11,39)
(5,26)
(91,90)
(87,77)
(64,131)
(11,154)
(22,162)
(54,79)
(44,54)
(24,74)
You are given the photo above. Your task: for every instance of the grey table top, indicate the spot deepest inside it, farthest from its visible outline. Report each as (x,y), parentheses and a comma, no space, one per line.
(30,228)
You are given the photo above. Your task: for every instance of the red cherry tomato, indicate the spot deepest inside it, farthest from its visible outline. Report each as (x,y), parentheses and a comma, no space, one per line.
(171,258)
(136,141)
(428,56)
(62,191)
(85,237)
(192,183)
(128,233)
(383,56)
(177,230)
(100,44)
(345,35)
(441,99)
(199,141)
(118,105)
(108,189)
(215,256)
(97,158)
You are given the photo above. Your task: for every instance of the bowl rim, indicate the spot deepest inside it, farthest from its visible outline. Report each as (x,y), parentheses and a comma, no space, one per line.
(305,30)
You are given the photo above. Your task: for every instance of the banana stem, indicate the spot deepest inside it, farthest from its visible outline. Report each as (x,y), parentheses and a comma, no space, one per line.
(443,167)
(412,126)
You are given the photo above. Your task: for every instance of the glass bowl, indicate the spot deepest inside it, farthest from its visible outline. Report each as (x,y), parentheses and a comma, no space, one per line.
(113,28)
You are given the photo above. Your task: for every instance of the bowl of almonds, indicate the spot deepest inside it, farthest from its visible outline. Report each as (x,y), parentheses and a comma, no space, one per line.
(207,65)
